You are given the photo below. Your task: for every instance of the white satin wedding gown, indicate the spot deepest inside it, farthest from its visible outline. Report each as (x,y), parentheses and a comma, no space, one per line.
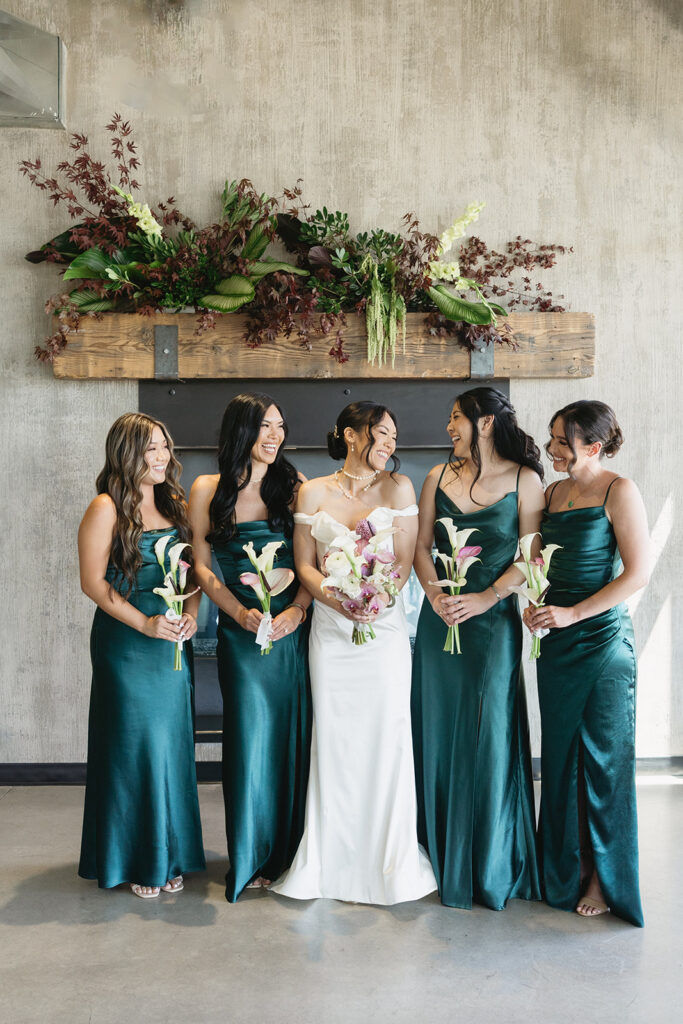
(360,835)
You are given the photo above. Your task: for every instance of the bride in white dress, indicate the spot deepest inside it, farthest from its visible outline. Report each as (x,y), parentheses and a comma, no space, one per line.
(360,838)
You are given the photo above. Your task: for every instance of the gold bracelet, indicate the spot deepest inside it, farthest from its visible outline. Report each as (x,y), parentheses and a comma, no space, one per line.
(295,604)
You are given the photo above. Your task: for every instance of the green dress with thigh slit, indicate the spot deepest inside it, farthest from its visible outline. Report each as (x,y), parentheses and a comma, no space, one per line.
(587,696)
(141,820)
(470,730)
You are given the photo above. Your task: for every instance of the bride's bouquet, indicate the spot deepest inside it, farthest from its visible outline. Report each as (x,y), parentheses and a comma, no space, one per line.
(361,574)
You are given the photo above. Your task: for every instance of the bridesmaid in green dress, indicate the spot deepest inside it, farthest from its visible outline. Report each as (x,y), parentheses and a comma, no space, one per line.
(470,730)
(266,699)
(141,822)
(587,671)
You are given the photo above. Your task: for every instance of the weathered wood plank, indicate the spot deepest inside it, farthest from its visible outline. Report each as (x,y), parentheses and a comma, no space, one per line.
(121,346)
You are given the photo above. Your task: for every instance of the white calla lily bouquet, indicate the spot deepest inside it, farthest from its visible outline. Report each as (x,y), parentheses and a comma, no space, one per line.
(536,582)
(266,582)
(175,579)
(456,565)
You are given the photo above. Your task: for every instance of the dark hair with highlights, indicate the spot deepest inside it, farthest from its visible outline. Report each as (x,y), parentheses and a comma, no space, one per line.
(240,429)
(358,416)
(509,440)
(124,469)
(590,421)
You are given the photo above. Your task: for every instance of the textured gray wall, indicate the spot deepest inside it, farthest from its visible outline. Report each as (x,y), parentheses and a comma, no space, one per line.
(562,116)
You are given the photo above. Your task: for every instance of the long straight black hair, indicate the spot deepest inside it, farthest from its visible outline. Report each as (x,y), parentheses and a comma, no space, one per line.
(509,440)
(240,429)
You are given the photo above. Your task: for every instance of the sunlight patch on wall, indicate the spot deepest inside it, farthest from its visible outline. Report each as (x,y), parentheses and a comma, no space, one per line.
(653,717)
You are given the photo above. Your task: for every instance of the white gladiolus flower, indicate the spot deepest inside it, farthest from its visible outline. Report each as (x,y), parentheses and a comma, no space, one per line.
(458,228)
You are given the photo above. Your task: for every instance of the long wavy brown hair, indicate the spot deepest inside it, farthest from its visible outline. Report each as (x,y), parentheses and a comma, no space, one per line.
(124,469)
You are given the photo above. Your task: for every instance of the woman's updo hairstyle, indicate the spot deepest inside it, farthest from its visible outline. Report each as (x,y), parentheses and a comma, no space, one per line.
(509,440)
(590,421)
(358,416)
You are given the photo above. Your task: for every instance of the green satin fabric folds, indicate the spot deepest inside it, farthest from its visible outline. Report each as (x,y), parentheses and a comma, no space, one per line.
(141,820)
(266,724)
(587,693)
(470,732)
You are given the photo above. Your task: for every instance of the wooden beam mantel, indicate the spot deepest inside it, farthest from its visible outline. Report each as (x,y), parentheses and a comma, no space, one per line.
(121,346)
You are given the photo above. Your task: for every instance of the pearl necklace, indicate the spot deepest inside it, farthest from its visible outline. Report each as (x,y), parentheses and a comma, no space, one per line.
(354,497)
(352,476)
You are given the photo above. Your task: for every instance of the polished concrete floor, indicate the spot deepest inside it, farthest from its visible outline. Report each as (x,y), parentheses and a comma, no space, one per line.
(73,954)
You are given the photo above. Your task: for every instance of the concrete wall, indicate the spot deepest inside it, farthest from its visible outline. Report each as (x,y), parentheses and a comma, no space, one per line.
(562,116)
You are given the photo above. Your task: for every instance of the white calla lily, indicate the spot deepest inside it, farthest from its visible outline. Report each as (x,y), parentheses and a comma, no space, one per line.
(448,565)
(464,565)
(278,580)
(547,553)
(174,554)
(264,561)
(525,545)
(456,538)
(530,594)
(524,567)
(160,548)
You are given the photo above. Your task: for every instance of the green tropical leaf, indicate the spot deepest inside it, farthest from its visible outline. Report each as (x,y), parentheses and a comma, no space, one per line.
(455,308)
(85,297)
(101,306)
(94,262)
(236,286)
(260,268)
(500,310)
(223,303)
(256,243)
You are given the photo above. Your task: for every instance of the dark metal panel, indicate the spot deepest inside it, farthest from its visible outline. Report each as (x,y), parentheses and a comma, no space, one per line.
(166,351)
(193,410)
(482,362)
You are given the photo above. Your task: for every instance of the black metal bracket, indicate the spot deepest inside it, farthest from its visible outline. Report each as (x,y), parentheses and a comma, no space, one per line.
(165,352)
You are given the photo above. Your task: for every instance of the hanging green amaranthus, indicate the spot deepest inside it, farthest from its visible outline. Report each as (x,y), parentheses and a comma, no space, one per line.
(384,311)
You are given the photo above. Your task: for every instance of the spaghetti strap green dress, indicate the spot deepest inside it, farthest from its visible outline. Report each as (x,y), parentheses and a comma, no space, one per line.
(470,730)
(141,819)
(587,696)
(266,723)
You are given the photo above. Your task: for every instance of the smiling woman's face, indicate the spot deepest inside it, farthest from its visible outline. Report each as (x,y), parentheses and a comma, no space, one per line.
(157,457)
(460,432)
(271,436)
(384,439)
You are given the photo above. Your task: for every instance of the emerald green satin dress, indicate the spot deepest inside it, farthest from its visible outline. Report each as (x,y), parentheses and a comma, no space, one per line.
(470,730)
(141,820)
(587,696)
(266,723)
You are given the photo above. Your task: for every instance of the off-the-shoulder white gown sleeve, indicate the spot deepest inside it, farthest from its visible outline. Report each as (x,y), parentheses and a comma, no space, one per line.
(360,836)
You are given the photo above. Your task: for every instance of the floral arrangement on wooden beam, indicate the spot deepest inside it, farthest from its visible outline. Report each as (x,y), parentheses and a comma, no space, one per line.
(123,256)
